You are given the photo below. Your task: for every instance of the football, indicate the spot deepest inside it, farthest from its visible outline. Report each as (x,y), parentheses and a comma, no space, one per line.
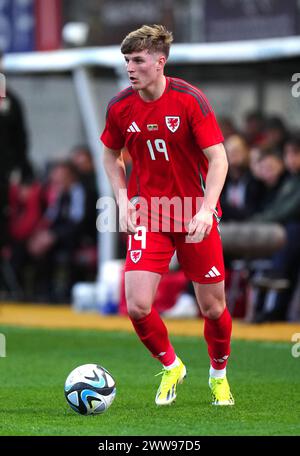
(90,389)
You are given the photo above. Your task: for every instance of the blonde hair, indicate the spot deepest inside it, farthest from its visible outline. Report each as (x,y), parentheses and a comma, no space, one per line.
(154,38)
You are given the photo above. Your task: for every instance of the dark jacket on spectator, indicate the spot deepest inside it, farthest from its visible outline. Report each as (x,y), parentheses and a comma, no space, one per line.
(248,192)
(13,143)
(271,193)
(66,215)
(286,206)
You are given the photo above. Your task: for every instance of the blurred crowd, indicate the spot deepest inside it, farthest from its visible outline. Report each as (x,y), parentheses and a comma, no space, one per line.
(50,239)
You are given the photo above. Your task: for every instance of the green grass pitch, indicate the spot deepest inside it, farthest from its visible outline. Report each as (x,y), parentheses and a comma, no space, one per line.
(264,378)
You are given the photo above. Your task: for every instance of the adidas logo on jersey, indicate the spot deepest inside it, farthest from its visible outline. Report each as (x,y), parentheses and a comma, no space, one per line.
(133,128)
(213,272)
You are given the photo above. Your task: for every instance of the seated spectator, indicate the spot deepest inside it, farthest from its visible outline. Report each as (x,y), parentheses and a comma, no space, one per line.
(253,128)
(25,212)
(272,173)
(275,134)
(82,160)
(284,209)
(25,208)
(255,155)
(56,238)
(241,191)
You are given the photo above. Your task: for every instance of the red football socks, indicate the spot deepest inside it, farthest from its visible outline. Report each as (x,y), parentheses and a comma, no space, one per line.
(154,335)
(217,334)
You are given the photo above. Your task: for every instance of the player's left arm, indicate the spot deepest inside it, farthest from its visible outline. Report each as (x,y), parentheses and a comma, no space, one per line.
(201,224)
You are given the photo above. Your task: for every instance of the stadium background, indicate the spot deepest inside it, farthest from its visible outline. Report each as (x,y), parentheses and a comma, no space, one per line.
(52,91)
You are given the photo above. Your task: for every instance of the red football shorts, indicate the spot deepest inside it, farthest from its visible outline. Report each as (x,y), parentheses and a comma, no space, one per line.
(201,262)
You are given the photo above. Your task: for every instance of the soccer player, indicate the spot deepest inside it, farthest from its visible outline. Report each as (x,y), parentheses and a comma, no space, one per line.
(172,135)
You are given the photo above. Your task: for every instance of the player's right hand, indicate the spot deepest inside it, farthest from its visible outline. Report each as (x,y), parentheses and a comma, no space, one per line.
(127,218)
(200,226)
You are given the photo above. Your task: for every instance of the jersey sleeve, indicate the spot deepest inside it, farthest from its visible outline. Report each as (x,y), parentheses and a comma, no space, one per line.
(204,123)
(112,136)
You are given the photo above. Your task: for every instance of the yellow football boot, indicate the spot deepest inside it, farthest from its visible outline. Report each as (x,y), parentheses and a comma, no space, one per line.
(220,391)
(166,393)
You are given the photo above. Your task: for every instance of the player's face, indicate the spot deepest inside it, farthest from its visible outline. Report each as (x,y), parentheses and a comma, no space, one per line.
(144,68)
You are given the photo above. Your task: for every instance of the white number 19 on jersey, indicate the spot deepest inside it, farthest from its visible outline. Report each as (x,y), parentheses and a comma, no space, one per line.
(160,146)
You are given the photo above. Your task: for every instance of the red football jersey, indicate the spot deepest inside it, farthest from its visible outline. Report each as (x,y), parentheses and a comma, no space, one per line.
(165,138)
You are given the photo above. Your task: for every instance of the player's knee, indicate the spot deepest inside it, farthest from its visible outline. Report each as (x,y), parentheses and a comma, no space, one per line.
(137,309)
(214,310)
